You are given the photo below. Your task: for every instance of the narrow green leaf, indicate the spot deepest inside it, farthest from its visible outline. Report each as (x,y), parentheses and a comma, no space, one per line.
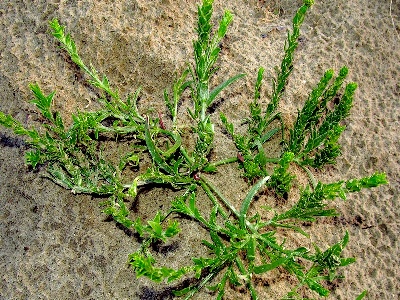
(158,159)
(213,216)
(221,86)
(219,245)
(156,228)
(172,229)
(257,88)
(249,197)
(32,158)
(251,249)
(268,267)
(42,102)
(362,295)
(315,286)
(184,291)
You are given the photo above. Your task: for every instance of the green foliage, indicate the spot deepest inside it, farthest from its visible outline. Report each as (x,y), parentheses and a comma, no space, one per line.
(324,267)
(281,179)
(240,246)
(362,295)
(317,129)
(144,266)
(253,159)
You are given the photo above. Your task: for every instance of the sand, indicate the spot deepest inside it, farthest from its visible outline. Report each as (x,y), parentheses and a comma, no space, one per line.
(56,245)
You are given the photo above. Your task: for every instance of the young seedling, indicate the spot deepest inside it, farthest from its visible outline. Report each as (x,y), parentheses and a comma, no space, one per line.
(241,246)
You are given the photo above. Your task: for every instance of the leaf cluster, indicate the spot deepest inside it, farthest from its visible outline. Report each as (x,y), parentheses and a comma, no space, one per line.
(240,246)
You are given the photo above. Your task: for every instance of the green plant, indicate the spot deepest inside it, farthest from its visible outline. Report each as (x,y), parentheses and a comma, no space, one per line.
(240,246)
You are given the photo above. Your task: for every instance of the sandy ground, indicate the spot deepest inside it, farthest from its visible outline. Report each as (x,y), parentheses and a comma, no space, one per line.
(54,245)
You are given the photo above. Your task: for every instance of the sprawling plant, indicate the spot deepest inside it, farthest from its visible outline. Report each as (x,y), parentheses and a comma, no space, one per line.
(241,246)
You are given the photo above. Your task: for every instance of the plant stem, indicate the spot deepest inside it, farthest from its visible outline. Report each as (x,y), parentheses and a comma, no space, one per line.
(212,197)
(242,269)
(204,95)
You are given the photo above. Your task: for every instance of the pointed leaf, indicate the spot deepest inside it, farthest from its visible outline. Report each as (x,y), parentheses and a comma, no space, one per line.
(362,295)
(315,286)
(269,267)
(249,198)
(220,87)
